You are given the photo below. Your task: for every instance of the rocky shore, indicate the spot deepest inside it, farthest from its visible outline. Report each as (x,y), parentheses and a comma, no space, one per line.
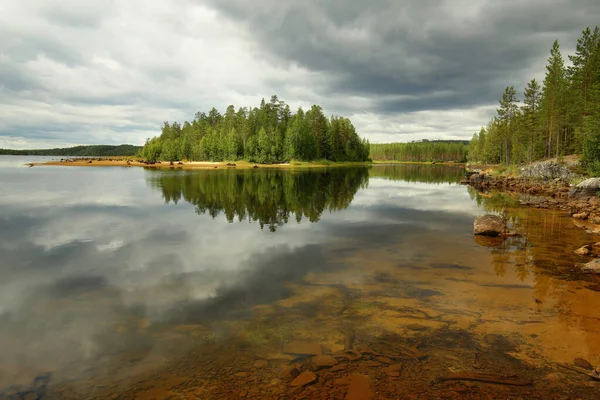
(547,185)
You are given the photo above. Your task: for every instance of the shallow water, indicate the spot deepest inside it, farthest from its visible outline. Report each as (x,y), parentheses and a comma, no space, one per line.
(133,283)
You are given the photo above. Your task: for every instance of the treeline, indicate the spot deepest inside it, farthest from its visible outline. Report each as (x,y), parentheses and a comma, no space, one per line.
(419,173)
(559,117)
(79,151)
(270,133)
(268,196)
(421,151)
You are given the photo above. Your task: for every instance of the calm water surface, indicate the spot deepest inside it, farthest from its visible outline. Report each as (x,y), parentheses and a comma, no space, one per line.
(144,284)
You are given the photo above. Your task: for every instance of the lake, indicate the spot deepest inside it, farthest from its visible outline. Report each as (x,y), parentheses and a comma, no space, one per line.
(131,283)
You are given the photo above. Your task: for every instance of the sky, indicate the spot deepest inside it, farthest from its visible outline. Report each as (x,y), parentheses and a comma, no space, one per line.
(111,71)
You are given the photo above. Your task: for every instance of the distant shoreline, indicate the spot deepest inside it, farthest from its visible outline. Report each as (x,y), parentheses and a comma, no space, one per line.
(133,162)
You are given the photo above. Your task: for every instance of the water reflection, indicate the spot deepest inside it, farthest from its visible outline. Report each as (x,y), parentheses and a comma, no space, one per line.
(444,173)
(269,196)
(113,284)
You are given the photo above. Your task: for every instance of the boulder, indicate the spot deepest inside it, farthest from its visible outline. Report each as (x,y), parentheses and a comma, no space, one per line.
(592,267)
(547,170)
(489,225)
(582,215)
(582,251)
(586,189)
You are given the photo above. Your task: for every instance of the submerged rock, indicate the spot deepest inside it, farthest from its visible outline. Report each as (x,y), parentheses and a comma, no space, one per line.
(360,387)
(303,348)
(489,225)
(304,379)
(588,188)
(582,363)
(324,361)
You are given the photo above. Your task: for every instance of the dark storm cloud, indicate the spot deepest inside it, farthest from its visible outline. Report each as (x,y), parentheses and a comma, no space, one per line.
(409,56)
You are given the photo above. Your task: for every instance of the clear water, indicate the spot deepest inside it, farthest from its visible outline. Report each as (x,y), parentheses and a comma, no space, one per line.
(133,283)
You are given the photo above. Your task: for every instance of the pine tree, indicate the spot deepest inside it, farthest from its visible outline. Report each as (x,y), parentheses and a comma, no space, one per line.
(531,102)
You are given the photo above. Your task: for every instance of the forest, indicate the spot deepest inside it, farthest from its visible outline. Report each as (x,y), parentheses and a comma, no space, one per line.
(268,196)
(557,117)
(270,133)
(421,151)
(79,151)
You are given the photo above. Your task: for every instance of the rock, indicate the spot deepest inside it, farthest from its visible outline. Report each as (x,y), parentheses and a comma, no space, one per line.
(592,267)
(360,387)
(594,219)
(588,188)
(582,215)
(290,372)
(338,367)
(303,348)
(324,361)
(489,225)
(547,170)
(581,363)
(384,360)
(243,374)
(304,379)
(261,364)
(416,327)
(582,251)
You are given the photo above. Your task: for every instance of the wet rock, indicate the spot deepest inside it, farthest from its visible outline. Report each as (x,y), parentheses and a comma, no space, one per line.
(384,360)
(338,367)
(582,215)
(324,361)
(261,364)
(592,267)
(243,374)
(416,327)
(586,189)
(305,378)
(489,225)
(582,251)
(372,363)
(360,387)
(582,363)
(290,372)
(303,348)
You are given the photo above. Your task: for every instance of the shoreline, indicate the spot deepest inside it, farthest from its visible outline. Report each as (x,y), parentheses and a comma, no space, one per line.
(543,194)
(133,162)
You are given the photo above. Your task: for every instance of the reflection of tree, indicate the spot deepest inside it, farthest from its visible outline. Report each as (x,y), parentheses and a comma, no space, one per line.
(544,247)
(268,196)
(419,173)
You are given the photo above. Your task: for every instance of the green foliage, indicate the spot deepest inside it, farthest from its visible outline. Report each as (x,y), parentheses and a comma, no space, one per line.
(122,150)
(562,117)
(423,151)
(266,134)
(267,195)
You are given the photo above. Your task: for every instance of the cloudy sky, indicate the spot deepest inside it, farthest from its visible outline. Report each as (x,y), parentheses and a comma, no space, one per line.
(110,71)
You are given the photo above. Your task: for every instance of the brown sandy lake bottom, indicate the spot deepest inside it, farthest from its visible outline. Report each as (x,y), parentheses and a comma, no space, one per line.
(344,283)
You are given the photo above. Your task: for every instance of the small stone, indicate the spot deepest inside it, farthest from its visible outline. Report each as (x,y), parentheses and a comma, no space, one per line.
(416,327)
(290,372)
(324,361)
(582,363)
(304,379)
(338,367)
(385,360)
(261,364)
(243,374)
(372,363)
(582,251)
(303,348)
